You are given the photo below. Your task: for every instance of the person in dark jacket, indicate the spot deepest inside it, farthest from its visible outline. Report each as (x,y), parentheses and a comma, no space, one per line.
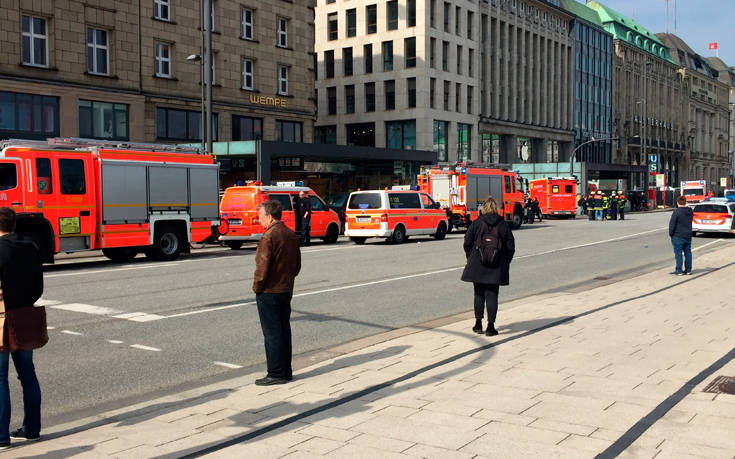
(305,211)
(277,263)
(537,209)
(487,280)
(680,231)
(21,279)
(529,210)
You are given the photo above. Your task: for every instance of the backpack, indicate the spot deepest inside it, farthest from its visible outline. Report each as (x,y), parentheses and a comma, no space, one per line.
(488,244)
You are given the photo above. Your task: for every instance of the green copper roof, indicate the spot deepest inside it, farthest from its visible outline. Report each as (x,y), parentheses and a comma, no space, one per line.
(582,11)
(629,31)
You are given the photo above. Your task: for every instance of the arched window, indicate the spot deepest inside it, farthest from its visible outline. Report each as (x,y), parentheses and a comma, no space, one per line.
(638,41)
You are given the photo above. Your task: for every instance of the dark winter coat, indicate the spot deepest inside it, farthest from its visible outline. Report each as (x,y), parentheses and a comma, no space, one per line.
(475,271)
(680,224)
(21,271)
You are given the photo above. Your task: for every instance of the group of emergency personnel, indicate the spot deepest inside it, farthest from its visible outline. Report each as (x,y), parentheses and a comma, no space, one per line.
(533,210)
(600,206)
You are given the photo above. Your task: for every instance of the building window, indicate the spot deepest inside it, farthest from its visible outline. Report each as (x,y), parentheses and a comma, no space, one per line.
(332,26)
(459,60)
(28,116)
(392,14)
(282,25)
(432,14)
(447,88)
(367,55)
(162,10)
(102,120)
(464,136)
(163,60)
(400,134)
(283,80)
(387,55)
(97,52)
(347,61)
(246,128)
(409,49)
(445,56)
(35,41)
(432,52)
(441,129)
(457,97)
(332,100)
(371,19)
(325,134)
(350,98)
(248,19)
(471,63)
(369,97)
(470,19)
(248,68)
(411,86)
(172,124)
(288,131)
(470,91)
(329,63)
(447,9)
(390,94)
(411,16)
(432,93)
(351,22)
(362,134)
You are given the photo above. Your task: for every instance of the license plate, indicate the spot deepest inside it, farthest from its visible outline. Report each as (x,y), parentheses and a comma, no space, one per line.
(235,221)
(710,221)
(362,219)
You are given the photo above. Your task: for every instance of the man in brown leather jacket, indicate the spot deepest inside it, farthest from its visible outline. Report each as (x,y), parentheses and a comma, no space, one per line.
(277,263)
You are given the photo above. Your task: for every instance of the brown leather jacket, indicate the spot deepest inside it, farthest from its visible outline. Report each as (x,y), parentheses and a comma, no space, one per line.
(277,260)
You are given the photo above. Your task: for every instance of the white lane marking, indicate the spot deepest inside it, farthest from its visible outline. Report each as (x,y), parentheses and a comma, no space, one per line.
(110,270)
(69,332)
(216,308)
(145,348)
(705,245)
(87,309)
(44,302)
(138,316)
(50,328)
(114,341)
(228,365)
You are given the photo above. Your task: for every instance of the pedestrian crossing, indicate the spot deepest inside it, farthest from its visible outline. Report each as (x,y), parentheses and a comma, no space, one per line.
(99,311)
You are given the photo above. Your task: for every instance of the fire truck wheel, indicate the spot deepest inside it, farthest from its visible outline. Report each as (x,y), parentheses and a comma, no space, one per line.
(358,240)
(332,234)
(517,220)
(234,245)
(120,254)
(441,231)
(166,244)
(399,235)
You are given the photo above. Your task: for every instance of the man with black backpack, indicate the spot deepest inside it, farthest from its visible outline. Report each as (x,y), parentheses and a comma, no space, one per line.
(489,246)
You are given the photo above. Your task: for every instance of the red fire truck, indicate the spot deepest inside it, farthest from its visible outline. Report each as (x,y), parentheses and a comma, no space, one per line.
(73,195)
(556,196)
(461,189)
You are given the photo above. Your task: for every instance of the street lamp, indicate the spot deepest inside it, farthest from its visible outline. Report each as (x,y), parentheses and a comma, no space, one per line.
(205,11)
(574,153)
(198,58)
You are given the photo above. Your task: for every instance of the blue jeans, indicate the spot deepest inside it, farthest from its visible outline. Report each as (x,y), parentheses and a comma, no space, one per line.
(682,245)
(23,361)
(598,214)
(274,310)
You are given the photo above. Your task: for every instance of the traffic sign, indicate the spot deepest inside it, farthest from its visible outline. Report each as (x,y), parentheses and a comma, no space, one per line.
(653,158)
(653,167)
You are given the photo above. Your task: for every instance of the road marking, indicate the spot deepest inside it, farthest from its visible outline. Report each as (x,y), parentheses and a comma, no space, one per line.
(110,270)
(216,308)
(44,302)
(114,341)
(50,328)
(145,348)
(228,365)
(69,332)
(138,316)
(87,309)
(705,245)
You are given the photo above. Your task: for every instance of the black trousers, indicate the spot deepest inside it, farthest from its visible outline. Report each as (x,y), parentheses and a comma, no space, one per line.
(306,231)
(621,211)
(274,310)
(486,295)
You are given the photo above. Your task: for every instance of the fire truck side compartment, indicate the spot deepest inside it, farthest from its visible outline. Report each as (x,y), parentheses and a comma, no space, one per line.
(168,187)
(479,187)
(204,184)
(124,193)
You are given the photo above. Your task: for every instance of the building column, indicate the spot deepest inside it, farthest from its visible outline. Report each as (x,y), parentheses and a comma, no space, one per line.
(513,73)
(506,68)
(557,79)
(509,149)
(522,59)
(538,150)
(496,69)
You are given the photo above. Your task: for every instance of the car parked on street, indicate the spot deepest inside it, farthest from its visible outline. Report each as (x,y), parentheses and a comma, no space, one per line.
(713,216)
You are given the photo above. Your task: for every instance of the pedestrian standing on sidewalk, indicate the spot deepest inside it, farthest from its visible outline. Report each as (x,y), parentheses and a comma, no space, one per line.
(305,210)
(277,263)
(21,278)
(680,231)
(489,230)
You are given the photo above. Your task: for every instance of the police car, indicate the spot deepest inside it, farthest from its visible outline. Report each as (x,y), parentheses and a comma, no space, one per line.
(713,216)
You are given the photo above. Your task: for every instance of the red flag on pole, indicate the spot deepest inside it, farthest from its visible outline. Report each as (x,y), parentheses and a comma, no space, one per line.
(713,45)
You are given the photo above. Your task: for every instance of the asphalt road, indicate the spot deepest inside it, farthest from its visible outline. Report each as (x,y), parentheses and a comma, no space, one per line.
(124,333)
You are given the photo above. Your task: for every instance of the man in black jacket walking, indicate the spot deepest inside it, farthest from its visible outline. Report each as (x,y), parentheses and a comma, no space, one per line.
(21,278)
(680,231)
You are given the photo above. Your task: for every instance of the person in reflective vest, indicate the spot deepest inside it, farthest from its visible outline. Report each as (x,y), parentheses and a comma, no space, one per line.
(621,205)
(614,206)
(598,205)
(591,206)
(605,206)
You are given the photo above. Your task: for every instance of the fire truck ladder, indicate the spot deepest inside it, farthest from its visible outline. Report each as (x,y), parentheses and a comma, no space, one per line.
(87,144)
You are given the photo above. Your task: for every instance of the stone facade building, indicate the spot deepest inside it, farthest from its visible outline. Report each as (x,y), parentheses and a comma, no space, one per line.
(481,81)
(648,95)
(707,111)
(118,70)
(727,76)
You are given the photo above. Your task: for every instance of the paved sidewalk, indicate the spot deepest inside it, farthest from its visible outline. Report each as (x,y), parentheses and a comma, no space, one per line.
(620,368)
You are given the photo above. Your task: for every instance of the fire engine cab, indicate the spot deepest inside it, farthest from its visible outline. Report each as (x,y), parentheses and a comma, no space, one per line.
(72,195)
(460,189)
